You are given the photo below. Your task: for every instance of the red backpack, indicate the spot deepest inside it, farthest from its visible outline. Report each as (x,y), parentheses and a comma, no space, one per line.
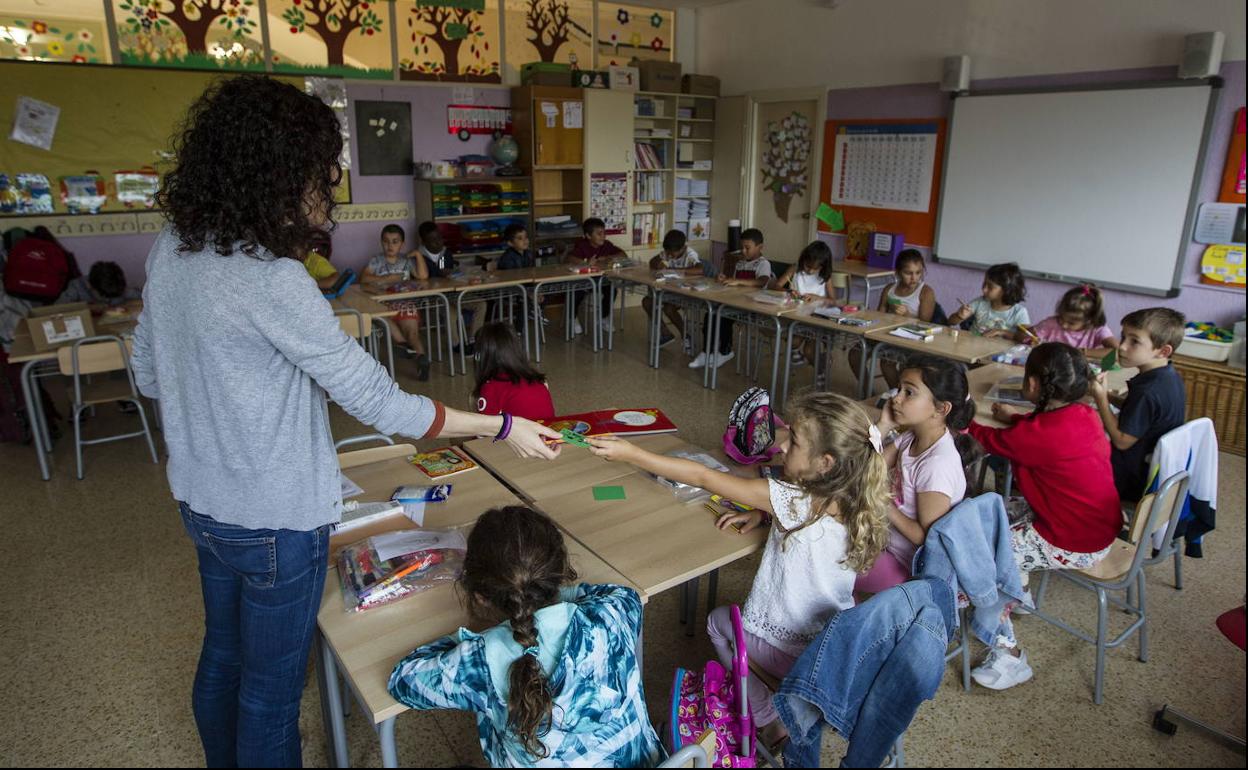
(37,270)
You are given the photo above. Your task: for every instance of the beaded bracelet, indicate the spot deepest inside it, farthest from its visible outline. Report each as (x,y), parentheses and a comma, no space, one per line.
(505,430)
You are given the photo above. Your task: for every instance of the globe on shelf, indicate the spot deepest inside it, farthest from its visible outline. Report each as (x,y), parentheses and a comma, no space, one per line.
(504,151)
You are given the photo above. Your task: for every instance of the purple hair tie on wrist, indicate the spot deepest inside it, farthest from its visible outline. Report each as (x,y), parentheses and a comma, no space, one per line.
(505,431)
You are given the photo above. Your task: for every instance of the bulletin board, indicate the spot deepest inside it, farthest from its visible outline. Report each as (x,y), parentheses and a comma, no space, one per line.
(918,227)
(112,119)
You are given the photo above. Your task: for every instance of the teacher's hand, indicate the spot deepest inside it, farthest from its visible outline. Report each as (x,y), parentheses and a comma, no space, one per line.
(529,439)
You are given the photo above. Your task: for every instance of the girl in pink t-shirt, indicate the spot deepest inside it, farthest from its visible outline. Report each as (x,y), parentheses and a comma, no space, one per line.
(932,408)
(506,380)
(1079,322)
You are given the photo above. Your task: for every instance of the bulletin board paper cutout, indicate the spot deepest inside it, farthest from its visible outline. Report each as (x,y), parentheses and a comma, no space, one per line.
(608,200)
(918,227)
(1233,179)
(34,122)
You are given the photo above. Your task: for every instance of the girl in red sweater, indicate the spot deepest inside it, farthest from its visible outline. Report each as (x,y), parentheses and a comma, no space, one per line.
(1069,514)
(506,380)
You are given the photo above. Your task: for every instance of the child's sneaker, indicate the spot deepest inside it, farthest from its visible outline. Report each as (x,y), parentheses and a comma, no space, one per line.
(698,362)
(797,359)
(1001,670)
(666,339)
(576,327)
(722,358)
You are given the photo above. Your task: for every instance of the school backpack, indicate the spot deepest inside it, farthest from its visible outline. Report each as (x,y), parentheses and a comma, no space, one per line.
(38,269)
(751,433)
(715,699)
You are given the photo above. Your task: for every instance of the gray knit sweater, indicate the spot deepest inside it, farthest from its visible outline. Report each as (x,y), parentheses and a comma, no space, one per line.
(240,353)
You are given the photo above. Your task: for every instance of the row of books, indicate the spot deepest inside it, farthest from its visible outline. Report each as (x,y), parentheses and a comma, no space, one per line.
(686,186)
(649,229)
(651,188)
(649,156)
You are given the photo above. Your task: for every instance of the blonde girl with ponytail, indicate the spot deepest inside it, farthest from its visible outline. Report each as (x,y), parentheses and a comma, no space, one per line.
(828,521)
(556,683)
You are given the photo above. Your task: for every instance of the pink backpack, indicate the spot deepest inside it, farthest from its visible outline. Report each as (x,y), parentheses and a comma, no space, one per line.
(751,433)
(716,700)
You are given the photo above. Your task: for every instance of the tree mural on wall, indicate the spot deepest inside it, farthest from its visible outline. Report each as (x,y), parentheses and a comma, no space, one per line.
(333,21)
(450,26)
(548,20)
(153,23)
(786,155)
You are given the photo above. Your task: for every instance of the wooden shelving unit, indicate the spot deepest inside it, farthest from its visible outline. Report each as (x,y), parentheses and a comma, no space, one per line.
(552,153)
(437,198)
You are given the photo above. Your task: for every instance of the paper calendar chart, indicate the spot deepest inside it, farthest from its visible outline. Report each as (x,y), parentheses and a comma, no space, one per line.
(884,166)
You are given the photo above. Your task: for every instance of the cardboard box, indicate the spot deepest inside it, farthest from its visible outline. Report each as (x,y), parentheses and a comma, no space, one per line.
(701,85)
(56,325)
(624,78)
(662,76)
(540,73)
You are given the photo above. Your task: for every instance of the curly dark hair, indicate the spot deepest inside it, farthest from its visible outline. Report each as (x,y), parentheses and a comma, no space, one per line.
(1062,373)
(515,565)
(256,163)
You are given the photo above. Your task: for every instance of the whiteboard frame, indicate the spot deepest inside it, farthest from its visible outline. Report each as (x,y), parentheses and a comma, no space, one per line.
(1214,84)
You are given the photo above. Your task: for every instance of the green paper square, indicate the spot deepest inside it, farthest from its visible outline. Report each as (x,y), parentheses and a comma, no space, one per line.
(834,219)
(573,438)
(609,493)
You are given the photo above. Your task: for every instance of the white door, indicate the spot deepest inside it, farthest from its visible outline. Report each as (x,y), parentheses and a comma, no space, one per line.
(784,160)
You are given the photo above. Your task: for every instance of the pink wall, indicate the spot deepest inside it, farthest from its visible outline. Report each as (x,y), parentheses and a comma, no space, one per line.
(924,100)
(354,244)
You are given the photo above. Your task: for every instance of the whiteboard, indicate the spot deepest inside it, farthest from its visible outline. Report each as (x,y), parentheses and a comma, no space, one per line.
(1091,185)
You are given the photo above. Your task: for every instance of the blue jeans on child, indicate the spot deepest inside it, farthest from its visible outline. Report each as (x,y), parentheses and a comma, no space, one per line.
(262,589)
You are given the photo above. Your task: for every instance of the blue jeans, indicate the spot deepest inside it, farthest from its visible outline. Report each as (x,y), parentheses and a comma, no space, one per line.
(262,589)
(867,672)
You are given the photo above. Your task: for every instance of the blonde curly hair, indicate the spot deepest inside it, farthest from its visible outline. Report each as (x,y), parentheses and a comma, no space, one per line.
(858,482)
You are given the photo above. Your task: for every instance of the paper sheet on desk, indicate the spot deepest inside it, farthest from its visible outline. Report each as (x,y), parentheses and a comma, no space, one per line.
(392,545)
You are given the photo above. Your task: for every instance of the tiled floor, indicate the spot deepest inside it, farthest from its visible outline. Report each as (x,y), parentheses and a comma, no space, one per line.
(101,625)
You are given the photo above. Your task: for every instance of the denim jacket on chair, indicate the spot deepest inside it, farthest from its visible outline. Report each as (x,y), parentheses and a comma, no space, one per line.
(970,548)
(867,673)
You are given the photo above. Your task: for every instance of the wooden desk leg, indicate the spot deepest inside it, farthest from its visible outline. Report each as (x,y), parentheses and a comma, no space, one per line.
(331,705)
(389,750)
(38,425)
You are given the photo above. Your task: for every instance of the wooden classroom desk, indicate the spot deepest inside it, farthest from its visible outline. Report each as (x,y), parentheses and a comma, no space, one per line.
(740,298)
(356,298)
(575,468)
(43,363)
(968,348)
(651,537)
(495,285)
(548,280)
(870,276)
(364,647)
(983,378)
(690,297)
(804,317)
(429,295)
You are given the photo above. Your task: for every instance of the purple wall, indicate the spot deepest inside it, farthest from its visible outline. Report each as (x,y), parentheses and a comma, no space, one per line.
(1198,301)
(354,244)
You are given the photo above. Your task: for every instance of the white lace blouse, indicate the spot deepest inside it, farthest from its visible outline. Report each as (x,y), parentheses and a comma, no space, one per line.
(802,580)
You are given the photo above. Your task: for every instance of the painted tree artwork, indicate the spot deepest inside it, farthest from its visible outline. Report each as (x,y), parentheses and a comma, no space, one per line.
(626,32)
(349,38)
(451,40)
(559,31)
(46,38)
(786,160)
(198,34)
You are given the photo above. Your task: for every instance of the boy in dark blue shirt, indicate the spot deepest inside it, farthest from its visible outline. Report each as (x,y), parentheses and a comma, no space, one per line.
(517,254)
(1156,399)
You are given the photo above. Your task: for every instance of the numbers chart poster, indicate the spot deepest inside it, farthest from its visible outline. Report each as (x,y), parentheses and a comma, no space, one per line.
(885,166)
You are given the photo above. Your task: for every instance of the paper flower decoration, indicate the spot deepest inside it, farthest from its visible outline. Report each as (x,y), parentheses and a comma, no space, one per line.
(656,21)
(622,16)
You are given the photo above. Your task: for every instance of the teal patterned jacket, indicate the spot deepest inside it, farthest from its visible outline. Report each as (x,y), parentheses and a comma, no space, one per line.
(599,716)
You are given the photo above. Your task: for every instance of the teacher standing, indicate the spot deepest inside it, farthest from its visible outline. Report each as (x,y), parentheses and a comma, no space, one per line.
(240,349)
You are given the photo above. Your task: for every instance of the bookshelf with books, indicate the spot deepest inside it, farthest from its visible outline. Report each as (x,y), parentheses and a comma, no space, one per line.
(654,159)
(693,169)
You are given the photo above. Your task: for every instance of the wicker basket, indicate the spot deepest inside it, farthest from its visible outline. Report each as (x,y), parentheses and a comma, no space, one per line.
(1215,391)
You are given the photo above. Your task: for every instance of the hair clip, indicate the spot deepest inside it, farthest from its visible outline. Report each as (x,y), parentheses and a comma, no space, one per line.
(877,441)
(530,651)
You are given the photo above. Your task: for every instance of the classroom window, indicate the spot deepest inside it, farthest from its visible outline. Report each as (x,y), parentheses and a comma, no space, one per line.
(75,31)
(628,31)
(342,38)
(195,34)
(559,31)
(457,40)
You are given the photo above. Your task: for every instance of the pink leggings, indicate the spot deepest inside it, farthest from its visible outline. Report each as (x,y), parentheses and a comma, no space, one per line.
(771,659)
(883,575)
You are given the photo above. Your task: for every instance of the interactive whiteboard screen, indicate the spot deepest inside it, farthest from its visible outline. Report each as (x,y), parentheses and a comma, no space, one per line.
(1075,185)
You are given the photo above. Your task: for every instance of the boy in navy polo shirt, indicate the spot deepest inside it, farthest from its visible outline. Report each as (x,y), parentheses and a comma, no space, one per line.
(1156,399)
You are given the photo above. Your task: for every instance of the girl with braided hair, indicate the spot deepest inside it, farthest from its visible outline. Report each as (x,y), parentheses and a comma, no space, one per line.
(1069,514)
(556,683)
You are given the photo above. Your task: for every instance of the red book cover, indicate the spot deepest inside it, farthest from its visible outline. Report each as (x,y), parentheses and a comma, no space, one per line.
(625,422)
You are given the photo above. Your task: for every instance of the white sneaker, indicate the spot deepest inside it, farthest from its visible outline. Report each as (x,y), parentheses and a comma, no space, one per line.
(722,358)
(1001,670)
(1027,604)
(576,327)
(698,362)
